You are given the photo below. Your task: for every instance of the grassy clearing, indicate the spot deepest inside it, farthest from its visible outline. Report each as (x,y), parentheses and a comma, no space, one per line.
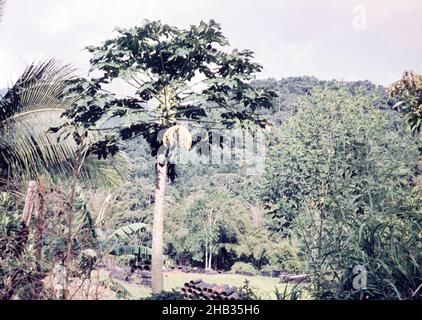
(264,287)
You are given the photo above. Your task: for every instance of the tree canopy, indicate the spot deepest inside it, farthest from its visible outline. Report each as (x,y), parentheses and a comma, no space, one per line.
(177,77)
(408,91)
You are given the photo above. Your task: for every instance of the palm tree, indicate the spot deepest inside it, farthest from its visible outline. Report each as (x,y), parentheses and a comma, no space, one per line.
(28,148)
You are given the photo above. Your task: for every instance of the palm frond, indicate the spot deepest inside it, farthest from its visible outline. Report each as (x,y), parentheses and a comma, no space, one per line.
(106,172)
(27,147)
(40,86)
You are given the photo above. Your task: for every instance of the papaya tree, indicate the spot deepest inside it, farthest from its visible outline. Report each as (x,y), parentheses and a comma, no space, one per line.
(156,81)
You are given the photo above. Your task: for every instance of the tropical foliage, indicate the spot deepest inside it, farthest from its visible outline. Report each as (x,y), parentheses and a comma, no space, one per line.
(106,209)
(408,91)
(342,181)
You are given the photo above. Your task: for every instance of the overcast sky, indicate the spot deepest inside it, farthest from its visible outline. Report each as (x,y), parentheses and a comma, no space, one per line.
(343,39)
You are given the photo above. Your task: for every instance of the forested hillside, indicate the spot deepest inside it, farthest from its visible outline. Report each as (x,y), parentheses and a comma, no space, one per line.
(256,215)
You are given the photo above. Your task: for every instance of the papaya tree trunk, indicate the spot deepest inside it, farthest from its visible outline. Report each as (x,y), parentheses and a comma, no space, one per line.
(157,230)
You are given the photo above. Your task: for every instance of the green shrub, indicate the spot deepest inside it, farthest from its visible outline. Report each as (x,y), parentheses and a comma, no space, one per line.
(285,256)
(242,267)
(169,262)
(166,295)
(268,268)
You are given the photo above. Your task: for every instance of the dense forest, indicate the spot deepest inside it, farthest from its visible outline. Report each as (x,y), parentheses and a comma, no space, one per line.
(86,192)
